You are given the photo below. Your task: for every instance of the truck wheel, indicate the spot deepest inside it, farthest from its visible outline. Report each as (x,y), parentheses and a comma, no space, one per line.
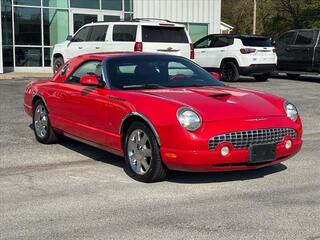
(57,63)
(229,72)
(292,75)
(262,78)
(142,155)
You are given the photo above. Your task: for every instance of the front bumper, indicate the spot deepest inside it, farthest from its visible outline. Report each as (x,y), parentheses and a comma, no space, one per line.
(213,161)
(256,69)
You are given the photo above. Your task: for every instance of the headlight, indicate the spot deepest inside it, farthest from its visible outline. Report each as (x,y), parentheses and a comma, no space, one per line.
(189,119)
(291,111)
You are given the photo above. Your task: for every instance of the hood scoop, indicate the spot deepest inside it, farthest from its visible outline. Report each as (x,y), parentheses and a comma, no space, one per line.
(220,96)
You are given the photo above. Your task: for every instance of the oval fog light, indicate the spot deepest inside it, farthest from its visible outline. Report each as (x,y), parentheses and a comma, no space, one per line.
(225,151)
(288,144)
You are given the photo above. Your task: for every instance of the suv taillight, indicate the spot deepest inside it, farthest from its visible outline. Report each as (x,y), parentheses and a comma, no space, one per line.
(191,51)
(247,50)
(138,47)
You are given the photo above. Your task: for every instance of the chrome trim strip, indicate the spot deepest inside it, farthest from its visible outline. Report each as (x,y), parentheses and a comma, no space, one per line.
(145,119)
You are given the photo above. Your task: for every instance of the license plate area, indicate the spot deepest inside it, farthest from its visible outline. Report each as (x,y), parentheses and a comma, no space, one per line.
(262,153)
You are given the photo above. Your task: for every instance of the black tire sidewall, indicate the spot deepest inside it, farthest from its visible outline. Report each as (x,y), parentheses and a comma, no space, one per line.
(235,72)
(263,77)
(57,60)
(156,162)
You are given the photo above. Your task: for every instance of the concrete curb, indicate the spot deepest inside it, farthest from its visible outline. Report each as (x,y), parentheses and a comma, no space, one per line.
(15,76)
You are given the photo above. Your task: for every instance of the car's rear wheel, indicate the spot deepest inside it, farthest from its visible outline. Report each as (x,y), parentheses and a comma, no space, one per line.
(41,124)
(292,75)
(142,154)
(57,63)
(230,72)
(262,78)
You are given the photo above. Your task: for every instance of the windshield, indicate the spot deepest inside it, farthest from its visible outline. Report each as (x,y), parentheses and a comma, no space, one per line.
(156,71)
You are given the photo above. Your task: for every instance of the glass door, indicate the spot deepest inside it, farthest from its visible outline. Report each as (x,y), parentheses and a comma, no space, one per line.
(80,17)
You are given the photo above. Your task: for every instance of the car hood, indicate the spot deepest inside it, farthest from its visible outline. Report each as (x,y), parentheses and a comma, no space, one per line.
(222,103)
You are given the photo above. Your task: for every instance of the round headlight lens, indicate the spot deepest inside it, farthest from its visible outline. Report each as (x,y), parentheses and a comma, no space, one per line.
(291,111)
(189,119)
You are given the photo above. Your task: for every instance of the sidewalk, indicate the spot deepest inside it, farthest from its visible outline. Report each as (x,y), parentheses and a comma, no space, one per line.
(20,75)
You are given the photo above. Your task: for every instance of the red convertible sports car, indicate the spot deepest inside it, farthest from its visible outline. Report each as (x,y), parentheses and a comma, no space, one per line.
(162,112)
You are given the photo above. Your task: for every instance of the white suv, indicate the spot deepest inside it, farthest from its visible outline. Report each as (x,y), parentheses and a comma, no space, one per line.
(147,35)
(235,55)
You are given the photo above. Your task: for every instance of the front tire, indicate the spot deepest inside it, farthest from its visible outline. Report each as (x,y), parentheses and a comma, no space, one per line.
(230,72)
(41,124)
(262,78)
(142,154)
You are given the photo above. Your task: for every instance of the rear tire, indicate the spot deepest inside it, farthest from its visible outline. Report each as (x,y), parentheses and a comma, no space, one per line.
(293,76)
(41,124)
(57,63)
(142,155)
(262,78)
(230,72)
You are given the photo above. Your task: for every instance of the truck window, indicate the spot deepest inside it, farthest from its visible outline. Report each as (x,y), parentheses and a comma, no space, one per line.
(124,33)
(305,38)
(98,33)
(222,42)
(287,38)
(82,36)
(164,34)
(256,42)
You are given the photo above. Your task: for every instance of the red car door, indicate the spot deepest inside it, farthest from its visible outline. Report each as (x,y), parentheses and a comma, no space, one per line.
(83,110)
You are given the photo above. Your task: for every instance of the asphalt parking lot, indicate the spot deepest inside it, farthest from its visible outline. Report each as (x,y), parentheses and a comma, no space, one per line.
(74,191)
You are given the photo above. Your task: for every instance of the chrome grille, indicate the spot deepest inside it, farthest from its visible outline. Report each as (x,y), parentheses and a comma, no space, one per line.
(244,139)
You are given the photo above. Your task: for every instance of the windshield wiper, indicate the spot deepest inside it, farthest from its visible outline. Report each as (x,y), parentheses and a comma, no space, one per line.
(145,86)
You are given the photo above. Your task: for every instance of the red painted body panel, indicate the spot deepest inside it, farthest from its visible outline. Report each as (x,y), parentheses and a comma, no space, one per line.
(94,115)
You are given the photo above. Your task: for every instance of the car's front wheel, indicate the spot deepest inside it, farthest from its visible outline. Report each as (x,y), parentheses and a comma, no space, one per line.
(262,78)
(230,72)
(142,154)
(41,124)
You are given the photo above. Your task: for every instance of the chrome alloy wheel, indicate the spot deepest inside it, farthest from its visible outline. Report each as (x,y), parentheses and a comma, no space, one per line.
(139,151)
(41,121)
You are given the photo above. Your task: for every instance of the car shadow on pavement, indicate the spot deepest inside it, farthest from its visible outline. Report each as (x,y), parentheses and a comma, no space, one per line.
(92,152)
(174,176)
(97,154)
(196,178)
(313,79)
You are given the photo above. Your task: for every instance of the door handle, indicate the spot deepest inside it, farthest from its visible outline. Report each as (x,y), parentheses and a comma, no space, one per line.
(203,51)
(222,50)
(80,47)
(97,47)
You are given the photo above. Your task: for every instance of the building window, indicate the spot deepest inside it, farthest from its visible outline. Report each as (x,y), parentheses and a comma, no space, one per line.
(111,5)
(6,19)
(27,27)
(7,54)
(94,4)
(197,31)
(110,18)
(47,57)
(81,19)
(28,2)
(28,56)
(55,3)
(128,5)
(55,29)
